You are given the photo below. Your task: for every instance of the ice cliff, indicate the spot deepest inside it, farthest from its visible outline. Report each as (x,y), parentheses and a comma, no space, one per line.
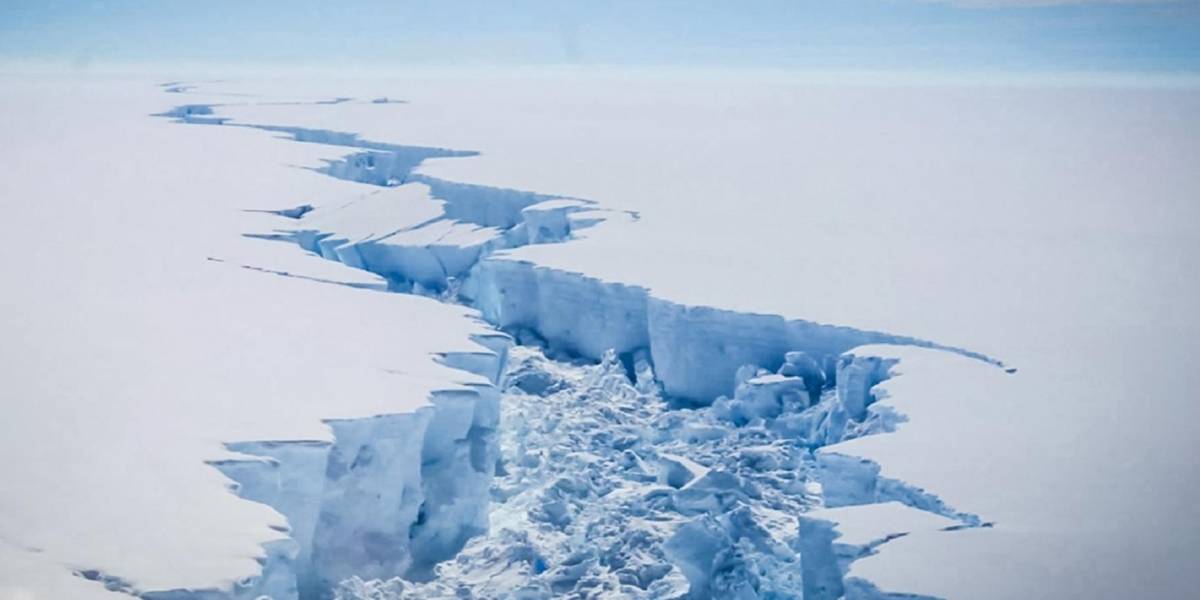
(392,495)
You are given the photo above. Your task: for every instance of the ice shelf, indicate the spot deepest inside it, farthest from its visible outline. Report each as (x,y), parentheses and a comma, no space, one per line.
(636,446)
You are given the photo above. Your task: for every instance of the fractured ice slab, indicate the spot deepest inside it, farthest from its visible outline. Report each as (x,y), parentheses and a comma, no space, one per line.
(678,471)
(550,220)
(832,539)
(763,397)
(488,206)
(372,215)
(430,233)
(853,481)
(871,524)
(282,260)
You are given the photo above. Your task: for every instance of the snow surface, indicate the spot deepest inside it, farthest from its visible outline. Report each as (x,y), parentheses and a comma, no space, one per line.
(1054,229)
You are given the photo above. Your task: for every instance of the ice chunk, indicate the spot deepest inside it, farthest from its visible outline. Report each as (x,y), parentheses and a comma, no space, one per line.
(856,375)
(763,397)
(677,471)
(548,221)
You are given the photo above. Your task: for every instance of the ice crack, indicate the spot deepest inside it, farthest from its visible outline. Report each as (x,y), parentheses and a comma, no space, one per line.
(643,448)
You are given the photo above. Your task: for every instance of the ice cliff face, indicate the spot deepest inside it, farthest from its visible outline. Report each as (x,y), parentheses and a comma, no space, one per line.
(632,446)
(392,495)
(696,350)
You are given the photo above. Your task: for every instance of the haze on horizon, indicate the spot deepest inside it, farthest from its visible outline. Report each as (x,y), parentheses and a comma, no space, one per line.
(1043,38)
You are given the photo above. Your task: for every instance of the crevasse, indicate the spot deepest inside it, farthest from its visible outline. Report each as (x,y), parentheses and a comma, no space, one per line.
(680,465)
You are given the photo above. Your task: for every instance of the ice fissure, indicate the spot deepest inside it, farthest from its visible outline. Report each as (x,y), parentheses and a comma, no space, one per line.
(626,446)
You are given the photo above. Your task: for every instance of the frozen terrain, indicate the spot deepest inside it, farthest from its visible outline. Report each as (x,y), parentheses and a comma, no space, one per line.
(774,339)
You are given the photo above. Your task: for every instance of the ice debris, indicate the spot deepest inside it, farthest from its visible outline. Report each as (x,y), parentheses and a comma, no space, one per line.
(606,489)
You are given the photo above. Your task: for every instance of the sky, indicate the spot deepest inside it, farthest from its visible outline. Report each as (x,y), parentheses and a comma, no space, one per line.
(1033,36)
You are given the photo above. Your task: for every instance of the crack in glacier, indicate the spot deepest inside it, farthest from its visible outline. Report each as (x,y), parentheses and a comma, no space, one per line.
(361,286)
(648,449)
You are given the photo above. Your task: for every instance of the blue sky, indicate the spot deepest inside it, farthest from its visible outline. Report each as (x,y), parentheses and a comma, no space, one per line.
(969,35)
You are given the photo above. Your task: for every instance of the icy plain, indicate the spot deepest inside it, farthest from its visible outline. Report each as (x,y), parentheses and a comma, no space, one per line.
(712,222)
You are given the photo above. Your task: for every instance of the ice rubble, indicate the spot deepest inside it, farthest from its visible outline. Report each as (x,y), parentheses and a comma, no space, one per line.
(617,479)
(608,490)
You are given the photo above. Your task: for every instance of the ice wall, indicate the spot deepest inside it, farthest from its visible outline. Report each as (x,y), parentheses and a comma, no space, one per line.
(391,496)
(696,350)
(289,477)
